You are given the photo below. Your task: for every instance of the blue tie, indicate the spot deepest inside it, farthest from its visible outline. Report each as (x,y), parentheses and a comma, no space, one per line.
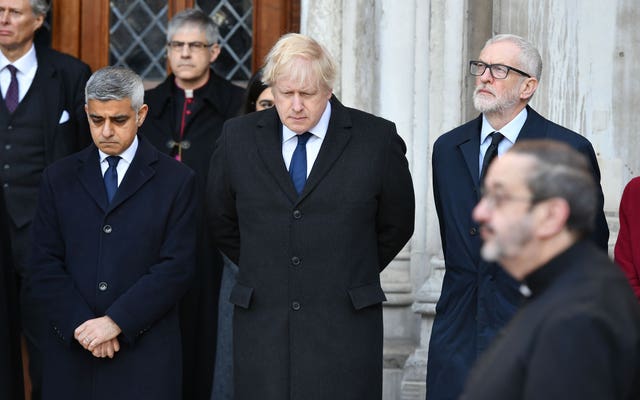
(298,166)
(111,177)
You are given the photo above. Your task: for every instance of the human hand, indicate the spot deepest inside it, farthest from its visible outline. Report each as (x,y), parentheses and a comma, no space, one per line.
(96,331)
(107,349)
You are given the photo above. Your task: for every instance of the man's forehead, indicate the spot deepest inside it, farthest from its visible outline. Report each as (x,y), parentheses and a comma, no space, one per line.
(188,30)
(509,171)
(110,107)
(503,52)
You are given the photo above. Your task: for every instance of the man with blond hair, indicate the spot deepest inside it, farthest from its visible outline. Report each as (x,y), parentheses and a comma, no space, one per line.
(312,200)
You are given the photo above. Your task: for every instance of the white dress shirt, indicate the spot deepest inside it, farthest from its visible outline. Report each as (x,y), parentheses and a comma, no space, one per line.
(510,132)
(290,140)
(126,158)
(27,65)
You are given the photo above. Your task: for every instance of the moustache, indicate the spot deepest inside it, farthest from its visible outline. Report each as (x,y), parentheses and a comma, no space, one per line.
(485,88)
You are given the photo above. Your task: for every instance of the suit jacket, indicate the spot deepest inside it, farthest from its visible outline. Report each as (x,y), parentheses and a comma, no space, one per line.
(627,251)
(221,100)
(477,298)
(131,260)
(62,79)
(576,337)
(308,312)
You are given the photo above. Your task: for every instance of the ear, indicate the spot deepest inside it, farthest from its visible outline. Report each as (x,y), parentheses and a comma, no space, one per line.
(38,22)
(142,114)
(215,52)
(528,88)
(551,217)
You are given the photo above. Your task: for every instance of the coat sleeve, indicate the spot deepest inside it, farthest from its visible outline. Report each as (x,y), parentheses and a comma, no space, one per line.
(600,234)
(160,290)
(221,207)
(396,203)
(47,284)
(629,227)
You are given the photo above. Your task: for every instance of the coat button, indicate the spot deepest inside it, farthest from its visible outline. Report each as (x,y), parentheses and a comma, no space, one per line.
(297,214)
(6,166)
(473,231)
(7,147)
(107,229)
(102,286)
(295,260)
(295,306)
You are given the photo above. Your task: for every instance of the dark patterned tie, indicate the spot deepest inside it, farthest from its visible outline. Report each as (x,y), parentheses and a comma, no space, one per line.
(11,98)
(492,152)
(111,177)
(298,166)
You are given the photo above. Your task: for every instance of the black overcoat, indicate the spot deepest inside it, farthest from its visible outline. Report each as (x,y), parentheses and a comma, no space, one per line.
(221,100)
(308,302)
(131,260)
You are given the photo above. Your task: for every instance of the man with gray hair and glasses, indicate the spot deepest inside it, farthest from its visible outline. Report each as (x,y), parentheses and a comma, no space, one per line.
(113,253)
(478,297)
(186,113)
(577,335)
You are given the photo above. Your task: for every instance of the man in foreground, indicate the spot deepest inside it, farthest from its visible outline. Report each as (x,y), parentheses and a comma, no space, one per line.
(113,253)
(577,336)
(311,200)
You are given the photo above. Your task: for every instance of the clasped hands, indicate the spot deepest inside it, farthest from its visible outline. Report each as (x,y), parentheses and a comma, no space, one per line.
(99,336)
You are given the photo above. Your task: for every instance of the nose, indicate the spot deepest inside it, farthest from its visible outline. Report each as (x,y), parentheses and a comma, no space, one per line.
(185,52)
(107,130)
(4,16)
(481,211)
(297,103)
(486,75)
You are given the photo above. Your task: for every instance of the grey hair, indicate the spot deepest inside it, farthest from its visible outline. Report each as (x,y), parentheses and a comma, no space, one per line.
(561,171)
(285,55)
(529,57)
(115,83)
(196,18)
(40,7)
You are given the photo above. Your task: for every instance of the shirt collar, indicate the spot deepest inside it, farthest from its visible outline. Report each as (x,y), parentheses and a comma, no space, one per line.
(320,130)
(126,155)
(23,64)
(509,131)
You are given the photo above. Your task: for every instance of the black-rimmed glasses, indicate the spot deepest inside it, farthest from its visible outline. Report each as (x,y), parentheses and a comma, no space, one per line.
(498,71)
(177,46)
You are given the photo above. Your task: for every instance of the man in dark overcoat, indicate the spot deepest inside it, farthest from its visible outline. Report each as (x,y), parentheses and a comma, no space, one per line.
(311,200)
(113,253)
(41,120)
(186,113)
(478,298)
(577,335)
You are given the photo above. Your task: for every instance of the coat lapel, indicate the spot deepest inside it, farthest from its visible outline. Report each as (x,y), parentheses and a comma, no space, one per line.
(139,172)
(534,127)
(46,75)
(336,139)
(269,143)
(90,176)
(470,148)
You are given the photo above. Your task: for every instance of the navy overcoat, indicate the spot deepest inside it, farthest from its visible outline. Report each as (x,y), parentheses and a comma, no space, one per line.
(131,260)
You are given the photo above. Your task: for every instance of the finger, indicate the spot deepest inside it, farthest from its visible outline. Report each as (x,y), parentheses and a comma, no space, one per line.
(116,345)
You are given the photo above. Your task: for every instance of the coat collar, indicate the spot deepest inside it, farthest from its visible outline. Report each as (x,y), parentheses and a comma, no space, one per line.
(163,94)
(469,143)
(138,173)
(269,143)
(51,84)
